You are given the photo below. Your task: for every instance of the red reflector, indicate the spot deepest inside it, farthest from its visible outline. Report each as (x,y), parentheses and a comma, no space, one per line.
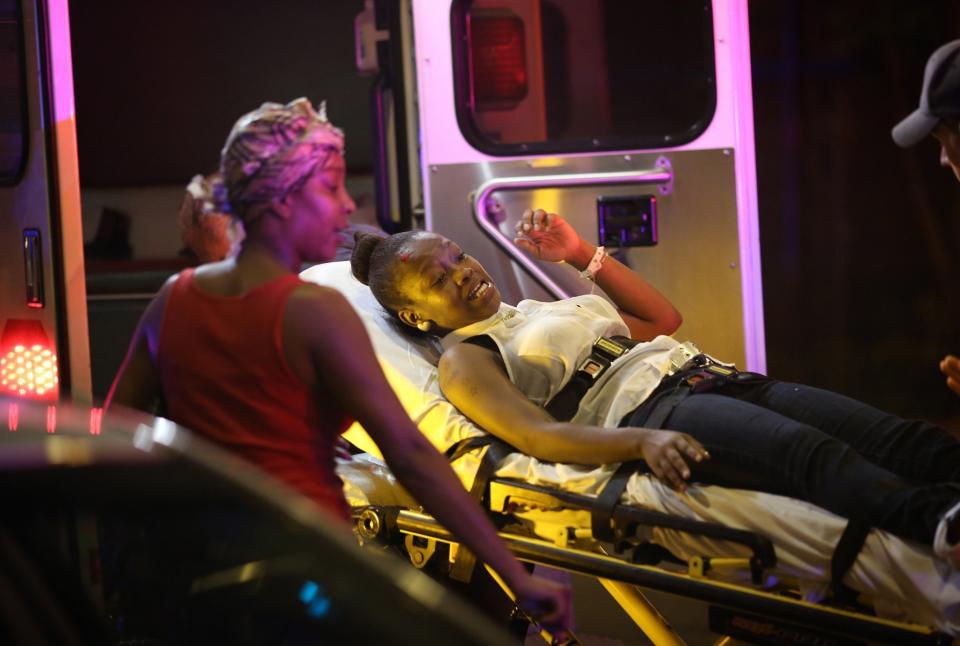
(498,60)
(28,362)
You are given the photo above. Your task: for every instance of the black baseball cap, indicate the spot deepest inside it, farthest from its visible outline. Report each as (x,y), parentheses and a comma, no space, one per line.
(939,98)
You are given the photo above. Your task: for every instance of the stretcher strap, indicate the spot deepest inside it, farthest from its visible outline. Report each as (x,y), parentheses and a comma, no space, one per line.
(665,404)
(465,561)
(563,406)
(601,514)
(467,444)
(845,554)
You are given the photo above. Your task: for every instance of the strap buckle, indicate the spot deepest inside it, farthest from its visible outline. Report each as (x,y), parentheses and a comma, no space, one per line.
(604,351)
(707,374)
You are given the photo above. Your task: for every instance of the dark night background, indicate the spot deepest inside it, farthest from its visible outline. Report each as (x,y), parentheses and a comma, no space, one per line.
(860,239)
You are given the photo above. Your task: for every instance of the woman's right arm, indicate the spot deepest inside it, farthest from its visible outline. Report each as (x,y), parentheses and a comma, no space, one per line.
(346,367)
(645,310)
(474,379)
(137,384)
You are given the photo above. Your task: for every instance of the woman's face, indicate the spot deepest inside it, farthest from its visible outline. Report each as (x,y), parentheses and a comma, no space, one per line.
(319,211)
(448,288)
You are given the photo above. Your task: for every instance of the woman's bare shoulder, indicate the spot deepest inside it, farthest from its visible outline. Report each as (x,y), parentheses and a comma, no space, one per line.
(316,307)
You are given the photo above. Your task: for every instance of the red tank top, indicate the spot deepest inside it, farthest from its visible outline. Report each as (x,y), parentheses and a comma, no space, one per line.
(223,375)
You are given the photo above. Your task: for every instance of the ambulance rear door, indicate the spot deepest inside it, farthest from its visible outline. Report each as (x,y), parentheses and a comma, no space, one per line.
(631,119)
(44,351)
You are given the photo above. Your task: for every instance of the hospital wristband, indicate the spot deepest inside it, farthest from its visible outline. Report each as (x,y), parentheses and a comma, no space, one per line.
(590,273)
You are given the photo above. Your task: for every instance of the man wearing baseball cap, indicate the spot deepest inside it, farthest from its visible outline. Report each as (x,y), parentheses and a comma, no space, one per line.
(939,115)
(939,111)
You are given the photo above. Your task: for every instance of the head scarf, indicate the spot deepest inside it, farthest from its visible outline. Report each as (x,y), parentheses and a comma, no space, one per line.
(271,152)
(208,233)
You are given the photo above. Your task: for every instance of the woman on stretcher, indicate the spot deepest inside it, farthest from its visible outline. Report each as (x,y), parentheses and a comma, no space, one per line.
(502,365)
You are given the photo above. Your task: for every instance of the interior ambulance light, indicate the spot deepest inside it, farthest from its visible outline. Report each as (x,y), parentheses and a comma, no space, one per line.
(28,361)
(498,60)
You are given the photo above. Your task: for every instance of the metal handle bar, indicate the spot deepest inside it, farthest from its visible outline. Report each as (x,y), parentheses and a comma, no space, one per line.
(663,174)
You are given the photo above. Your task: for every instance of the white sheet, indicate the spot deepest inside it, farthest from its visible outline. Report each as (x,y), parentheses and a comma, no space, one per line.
(903,578)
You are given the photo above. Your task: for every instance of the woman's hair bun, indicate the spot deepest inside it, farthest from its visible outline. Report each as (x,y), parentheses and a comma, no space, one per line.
(364,244)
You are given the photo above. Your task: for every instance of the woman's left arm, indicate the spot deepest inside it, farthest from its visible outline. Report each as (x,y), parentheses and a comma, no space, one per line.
(646,311)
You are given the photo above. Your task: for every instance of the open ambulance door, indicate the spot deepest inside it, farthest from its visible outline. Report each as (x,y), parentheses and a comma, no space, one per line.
(633,120)
(44,351)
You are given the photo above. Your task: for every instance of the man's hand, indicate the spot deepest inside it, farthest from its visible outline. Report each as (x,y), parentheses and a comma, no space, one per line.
(950,366)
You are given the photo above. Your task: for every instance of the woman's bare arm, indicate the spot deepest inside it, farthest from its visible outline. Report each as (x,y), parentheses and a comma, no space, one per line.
(474,379)
(347,369)
(645,310)
(137,384)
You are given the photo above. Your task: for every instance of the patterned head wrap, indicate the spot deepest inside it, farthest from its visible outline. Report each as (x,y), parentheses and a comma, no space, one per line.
(271,152)
(209,234)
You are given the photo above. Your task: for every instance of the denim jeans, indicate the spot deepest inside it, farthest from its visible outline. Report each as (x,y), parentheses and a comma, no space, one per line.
(830,450)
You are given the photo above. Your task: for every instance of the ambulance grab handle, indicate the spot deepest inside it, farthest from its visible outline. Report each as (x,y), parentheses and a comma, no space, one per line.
(662,174)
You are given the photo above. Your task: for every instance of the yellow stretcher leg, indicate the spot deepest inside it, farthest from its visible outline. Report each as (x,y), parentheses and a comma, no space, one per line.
(643,613)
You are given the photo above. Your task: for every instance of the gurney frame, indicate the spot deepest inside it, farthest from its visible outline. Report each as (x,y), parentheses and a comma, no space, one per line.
(744,612)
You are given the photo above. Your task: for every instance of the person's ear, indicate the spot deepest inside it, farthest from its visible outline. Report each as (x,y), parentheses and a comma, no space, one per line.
(409,317)
(413,319)
(282,208)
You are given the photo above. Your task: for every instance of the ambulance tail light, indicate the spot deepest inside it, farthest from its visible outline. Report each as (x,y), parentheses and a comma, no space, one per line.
(28,361)
(498,59)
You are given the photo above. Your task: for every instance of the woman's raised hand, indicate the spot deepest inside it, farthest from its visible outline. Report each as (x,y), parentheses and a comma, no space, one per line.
(546,236)
(667,454)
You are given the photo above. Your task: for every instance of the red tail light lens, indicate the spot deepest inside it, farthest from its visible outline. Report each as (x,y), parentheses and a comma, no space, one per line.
(498,60)
(28,361)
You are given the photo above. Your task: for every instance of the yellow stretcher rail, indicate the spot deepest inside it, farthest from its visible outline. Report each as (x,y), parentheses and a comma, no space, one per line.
(620,578)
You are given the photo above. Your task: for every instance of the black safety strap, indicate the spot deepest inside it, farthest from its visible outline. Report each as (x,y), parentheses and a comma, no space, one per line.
(609,497)
(704,376)
(563,406)
(467,444)
(673,391)
(463,565)
(665,404)
(845,554)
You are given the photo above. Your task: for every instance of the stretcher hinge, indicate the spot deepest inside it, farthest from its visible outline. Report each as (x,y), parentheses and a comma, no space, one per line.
(419,549)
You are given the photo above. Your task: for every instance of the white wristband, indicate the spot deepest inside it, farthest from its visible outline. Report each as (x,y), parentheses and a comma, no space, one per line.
(590,273)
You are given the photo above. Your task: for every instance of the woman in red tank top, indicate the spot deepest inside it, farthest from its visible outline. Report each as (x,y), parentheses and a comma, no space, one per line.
(245,353)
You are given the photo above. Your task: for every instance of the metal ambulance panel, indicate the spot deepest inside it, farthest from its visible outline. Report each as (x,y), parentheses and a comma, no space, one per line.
(696,260)
(706,258)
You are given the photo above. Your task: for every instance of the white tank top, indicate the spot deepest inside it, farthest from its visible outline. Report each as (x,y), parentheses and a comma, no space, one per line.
(543,343)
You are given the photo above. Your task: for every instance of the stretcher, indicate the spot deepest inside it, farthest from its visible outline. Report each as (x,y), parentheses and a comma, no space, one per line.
(761,561)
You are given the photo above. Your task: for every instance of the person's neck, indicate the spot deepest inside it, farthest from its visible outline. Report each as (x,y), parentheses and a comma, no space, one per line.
(267,259)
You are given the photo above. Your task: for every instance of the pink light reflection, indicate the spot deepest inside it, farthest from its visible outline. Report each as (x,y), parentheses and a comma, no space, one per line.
(96,419)
(13,417)
(51,419)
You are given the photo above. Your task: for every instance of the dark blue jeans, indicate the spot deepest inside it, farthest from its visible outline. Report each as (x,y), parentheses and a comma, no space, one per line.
(827,449)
